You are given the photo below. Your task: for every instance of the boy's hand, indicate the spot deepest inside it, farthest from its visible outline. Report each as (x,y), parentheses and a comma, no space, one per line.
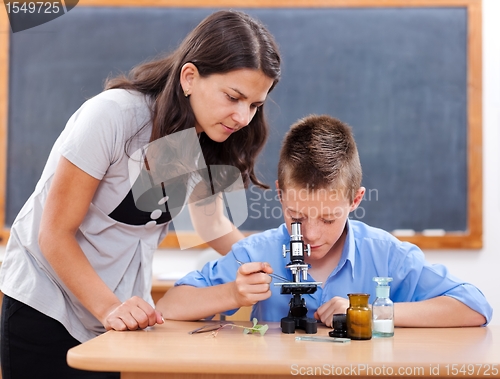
(252,283)
(326,311)
(135,313)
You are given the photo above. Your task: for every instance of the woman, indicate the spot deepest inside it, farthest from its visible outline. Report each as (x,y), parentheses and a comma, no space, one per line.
(78,261)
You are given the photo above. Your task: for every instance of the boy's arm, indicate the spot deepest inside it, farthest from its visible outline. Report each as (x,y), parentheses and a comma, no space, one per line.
(187,302)
(441,311)
(438,312)
(428,295)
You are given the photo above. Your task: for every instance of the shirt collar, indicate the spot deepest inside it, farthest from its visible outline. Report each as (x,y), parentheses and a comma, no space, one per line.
(348,251)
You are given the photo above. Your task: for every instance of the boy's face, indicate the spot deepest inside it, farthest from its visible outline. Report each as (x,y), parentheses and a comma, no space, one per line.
(323,214)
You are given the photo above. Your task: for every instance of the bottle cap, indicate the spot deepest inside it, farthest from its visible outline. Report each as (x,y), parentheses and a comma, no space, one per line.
(382,289)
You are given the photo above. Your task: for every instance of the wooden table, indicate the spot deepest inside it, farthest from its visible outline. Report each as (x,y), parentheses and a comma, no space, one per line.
(169,351)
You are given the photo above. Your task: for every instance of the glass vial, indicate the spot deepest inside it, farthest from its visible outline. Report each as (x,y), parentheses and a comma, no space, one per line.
(359,317)
(383,309)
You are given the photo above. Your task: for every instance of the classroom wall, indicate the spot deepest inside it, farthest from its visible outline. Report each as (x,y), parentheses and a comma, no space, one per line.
(480,267)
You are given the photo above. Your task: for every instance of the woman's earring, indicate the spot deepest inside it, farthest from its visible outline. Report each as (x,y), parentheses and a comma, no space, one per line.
(186,93)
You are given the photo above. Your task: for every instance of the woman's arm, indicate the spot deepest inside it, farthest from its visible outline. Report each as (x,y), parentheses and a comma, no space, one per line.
(67,203)
(213,226)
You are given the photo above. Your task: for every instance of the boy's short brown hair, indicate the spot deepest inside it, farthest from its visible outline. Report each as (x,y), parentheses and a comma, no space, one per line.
(319,152)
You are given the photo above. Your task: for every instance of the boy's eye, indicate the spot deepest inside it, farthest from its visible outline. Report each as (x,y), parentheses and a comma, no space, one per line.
(294,219)
(328,222)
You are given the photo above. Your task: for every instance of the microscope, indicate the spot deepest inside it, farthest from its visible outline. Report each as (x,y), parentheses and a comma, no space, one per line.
(297,315)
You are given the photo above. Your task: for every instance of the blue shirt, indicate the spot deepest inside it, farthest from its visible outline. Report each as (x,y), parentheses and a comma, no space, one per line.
(367,252)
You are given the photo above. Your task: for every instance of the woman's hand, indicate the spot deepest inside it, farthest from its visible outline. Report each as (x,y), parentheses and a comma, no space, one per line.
(252,283)
(326,311)
(133,314)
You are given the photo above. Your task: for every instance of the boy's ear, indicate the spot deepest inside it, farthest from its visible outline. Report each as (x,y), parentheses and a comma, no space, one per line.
(189,72)
(357,199)
(278,190)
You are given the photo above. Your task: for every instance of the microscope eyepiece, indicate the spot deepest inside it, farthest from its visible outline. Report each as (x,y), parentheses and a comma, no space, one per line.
(296,232)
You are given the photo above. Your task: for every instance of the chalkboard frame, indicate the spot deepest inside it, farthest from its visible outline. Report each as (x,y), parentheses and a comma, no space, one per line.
(469,239)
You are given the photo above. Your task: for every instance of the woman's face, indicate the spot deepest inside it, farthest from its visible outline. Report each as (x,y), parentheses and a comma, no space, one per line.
(224,103)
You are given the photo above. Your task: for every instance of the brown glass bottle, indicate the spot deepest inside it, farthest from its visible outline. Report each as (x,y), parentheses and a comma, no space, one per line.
(359,317)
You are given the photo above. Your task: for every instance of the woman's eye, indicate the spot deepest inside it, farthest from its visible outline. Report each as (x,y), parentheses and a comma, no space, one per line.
(231,98)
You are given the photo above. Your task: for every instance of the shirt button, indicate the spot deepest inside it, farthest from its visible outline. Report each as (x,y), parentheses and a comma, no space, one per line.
(156,214)
(163,200)
(150,224)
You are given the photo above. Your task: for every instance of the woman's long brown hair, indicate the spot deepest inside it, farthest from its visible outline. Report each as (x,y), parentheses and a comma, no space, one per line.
(222,42)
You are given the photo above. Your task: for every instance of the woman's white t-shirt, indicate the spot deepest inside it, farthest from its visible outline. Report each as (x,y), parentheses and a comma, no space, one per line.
(117,239)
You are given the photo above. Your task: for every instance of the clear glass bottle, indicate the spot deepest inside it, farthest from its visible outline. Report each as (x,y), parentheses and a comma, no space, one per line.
(383,309)
(359,317)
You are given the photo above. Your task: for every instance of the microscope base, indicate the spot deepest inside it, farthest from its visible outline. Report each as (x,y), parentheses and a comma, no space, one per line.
(289,324)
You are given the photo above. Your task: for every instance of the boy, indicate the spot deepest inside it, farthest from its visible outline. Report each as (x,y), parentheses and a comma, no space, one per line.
(319,183)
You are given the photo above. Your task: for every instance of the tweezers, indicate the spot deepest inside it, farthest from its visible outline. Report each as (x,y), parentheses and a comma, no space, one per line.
(205,328)
(275,276)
